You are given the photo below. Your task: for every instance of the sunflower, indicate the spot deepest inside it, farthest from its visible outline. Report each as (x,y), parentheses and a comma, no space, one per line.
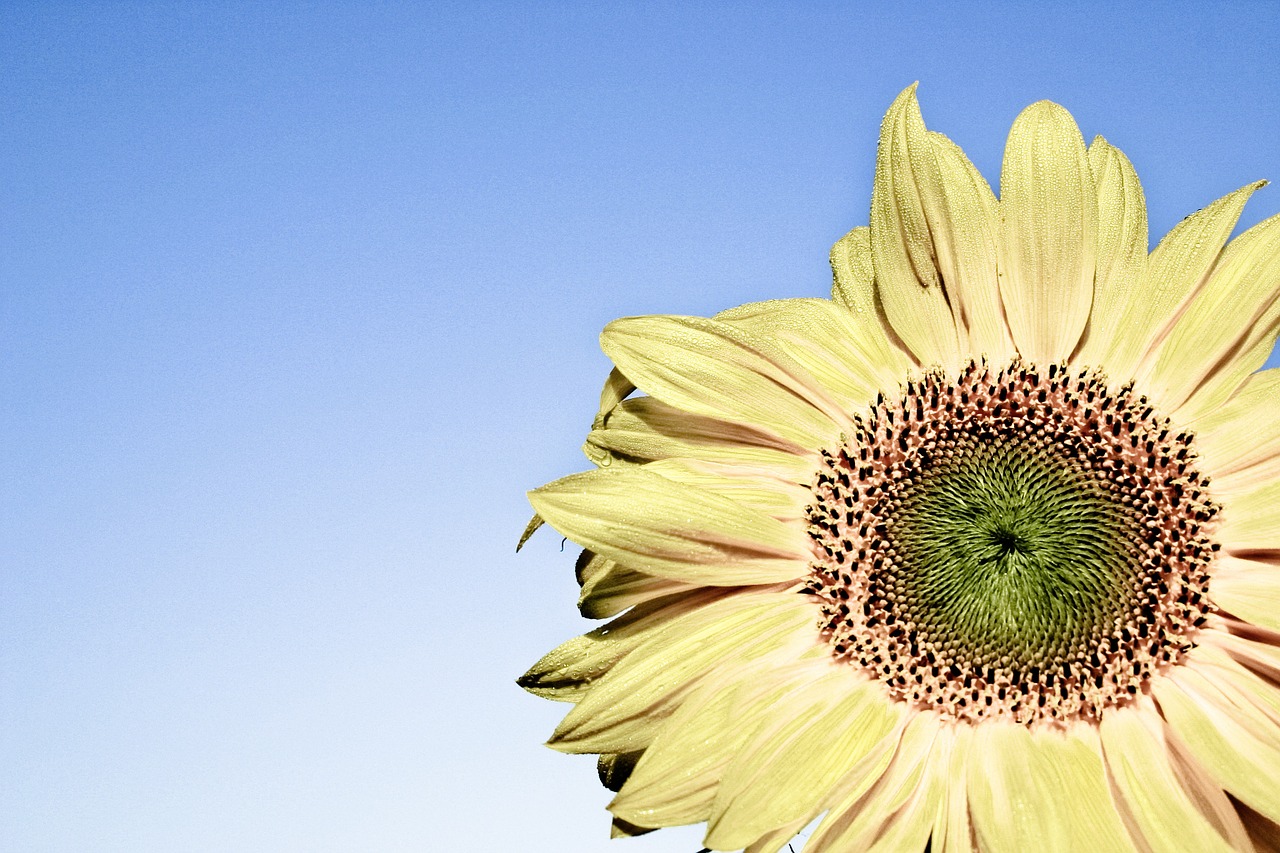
(982,553)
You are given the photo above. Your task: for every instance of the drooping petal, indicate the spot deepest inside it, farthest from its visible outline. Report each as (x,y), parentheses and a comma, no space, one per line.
(715,369)
(624,709)
(907,283)
(1138,763)
(1226,331)
(1242,754)
(671,529)
(1122,249)
(616,389)
(789,765)
(847,352)
(1017,782)
(1049,211)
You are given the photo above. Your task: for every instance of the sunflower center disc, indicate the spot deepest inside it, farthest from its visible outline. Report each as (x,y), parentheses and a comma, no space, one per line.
(1024,543)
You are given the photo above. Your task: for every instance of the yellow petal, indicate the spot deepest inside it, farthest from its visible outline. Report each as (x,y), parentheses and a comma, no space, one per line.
(1138,760)
(672,530)
(919,763)
(643,429)
(714,369)
(1227,329)
(676,780)
(1249,590)
(772,842)
(565,672)
(952,830)
(1243,756)
(617,587)
(616,389)
(1244,431)
(773,496)
(790,764)
(1049,236)
(624,709)
(853,282)
(1122,250)
(1017,781)
(847,352)
(1177,268)
(964,221)
(1251,520)
(906,275)
(912,825)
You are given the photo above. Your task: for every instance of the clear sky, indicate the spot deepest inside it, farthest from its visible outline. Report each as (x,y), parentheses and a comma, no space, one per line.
(297,300)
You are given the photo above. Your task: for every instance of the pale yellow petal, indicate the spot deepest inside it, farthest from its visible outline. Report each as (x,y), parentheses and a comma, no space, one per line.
(1243,756)
(621,829)
(1177,269)
(565,672)
(1245,430)
(1049,212)
(625,708)
(953,831)
(616,389)
(1249,590)
(912,826)
(1258,697)
(792,762)
(853,275)
(616,587)
(643,429)
(1139,764)
(1227,329)
(672,530)
(773,842)
(675,781)
(909,784)
(1251,520)
(1122,249)
(715,369)
(845,351)
(964,221)
(907,284)
(1016,784)
(852,787)
(773,496)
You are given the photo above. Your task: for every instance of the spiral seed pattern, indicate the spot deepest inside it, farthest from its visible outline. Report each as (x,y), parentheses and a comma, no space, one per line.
(1025,543)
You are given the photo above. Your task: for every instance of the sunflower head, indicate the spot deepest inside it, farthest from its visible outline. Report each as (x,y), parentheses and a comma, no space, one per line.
(982,553)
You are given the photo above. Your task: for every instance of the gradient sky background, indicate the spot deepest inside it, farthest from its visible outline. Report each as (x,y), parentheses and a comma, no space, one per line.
(298,301)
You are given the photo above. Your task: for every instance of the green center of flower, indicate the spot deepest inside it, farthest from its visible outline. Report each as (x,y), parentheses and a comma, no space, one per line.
(1015,543)
(1008,549)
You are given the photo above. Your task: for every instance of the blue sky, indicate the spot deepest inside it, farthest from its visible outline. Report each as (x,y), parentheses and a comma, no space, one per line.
(298,301)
